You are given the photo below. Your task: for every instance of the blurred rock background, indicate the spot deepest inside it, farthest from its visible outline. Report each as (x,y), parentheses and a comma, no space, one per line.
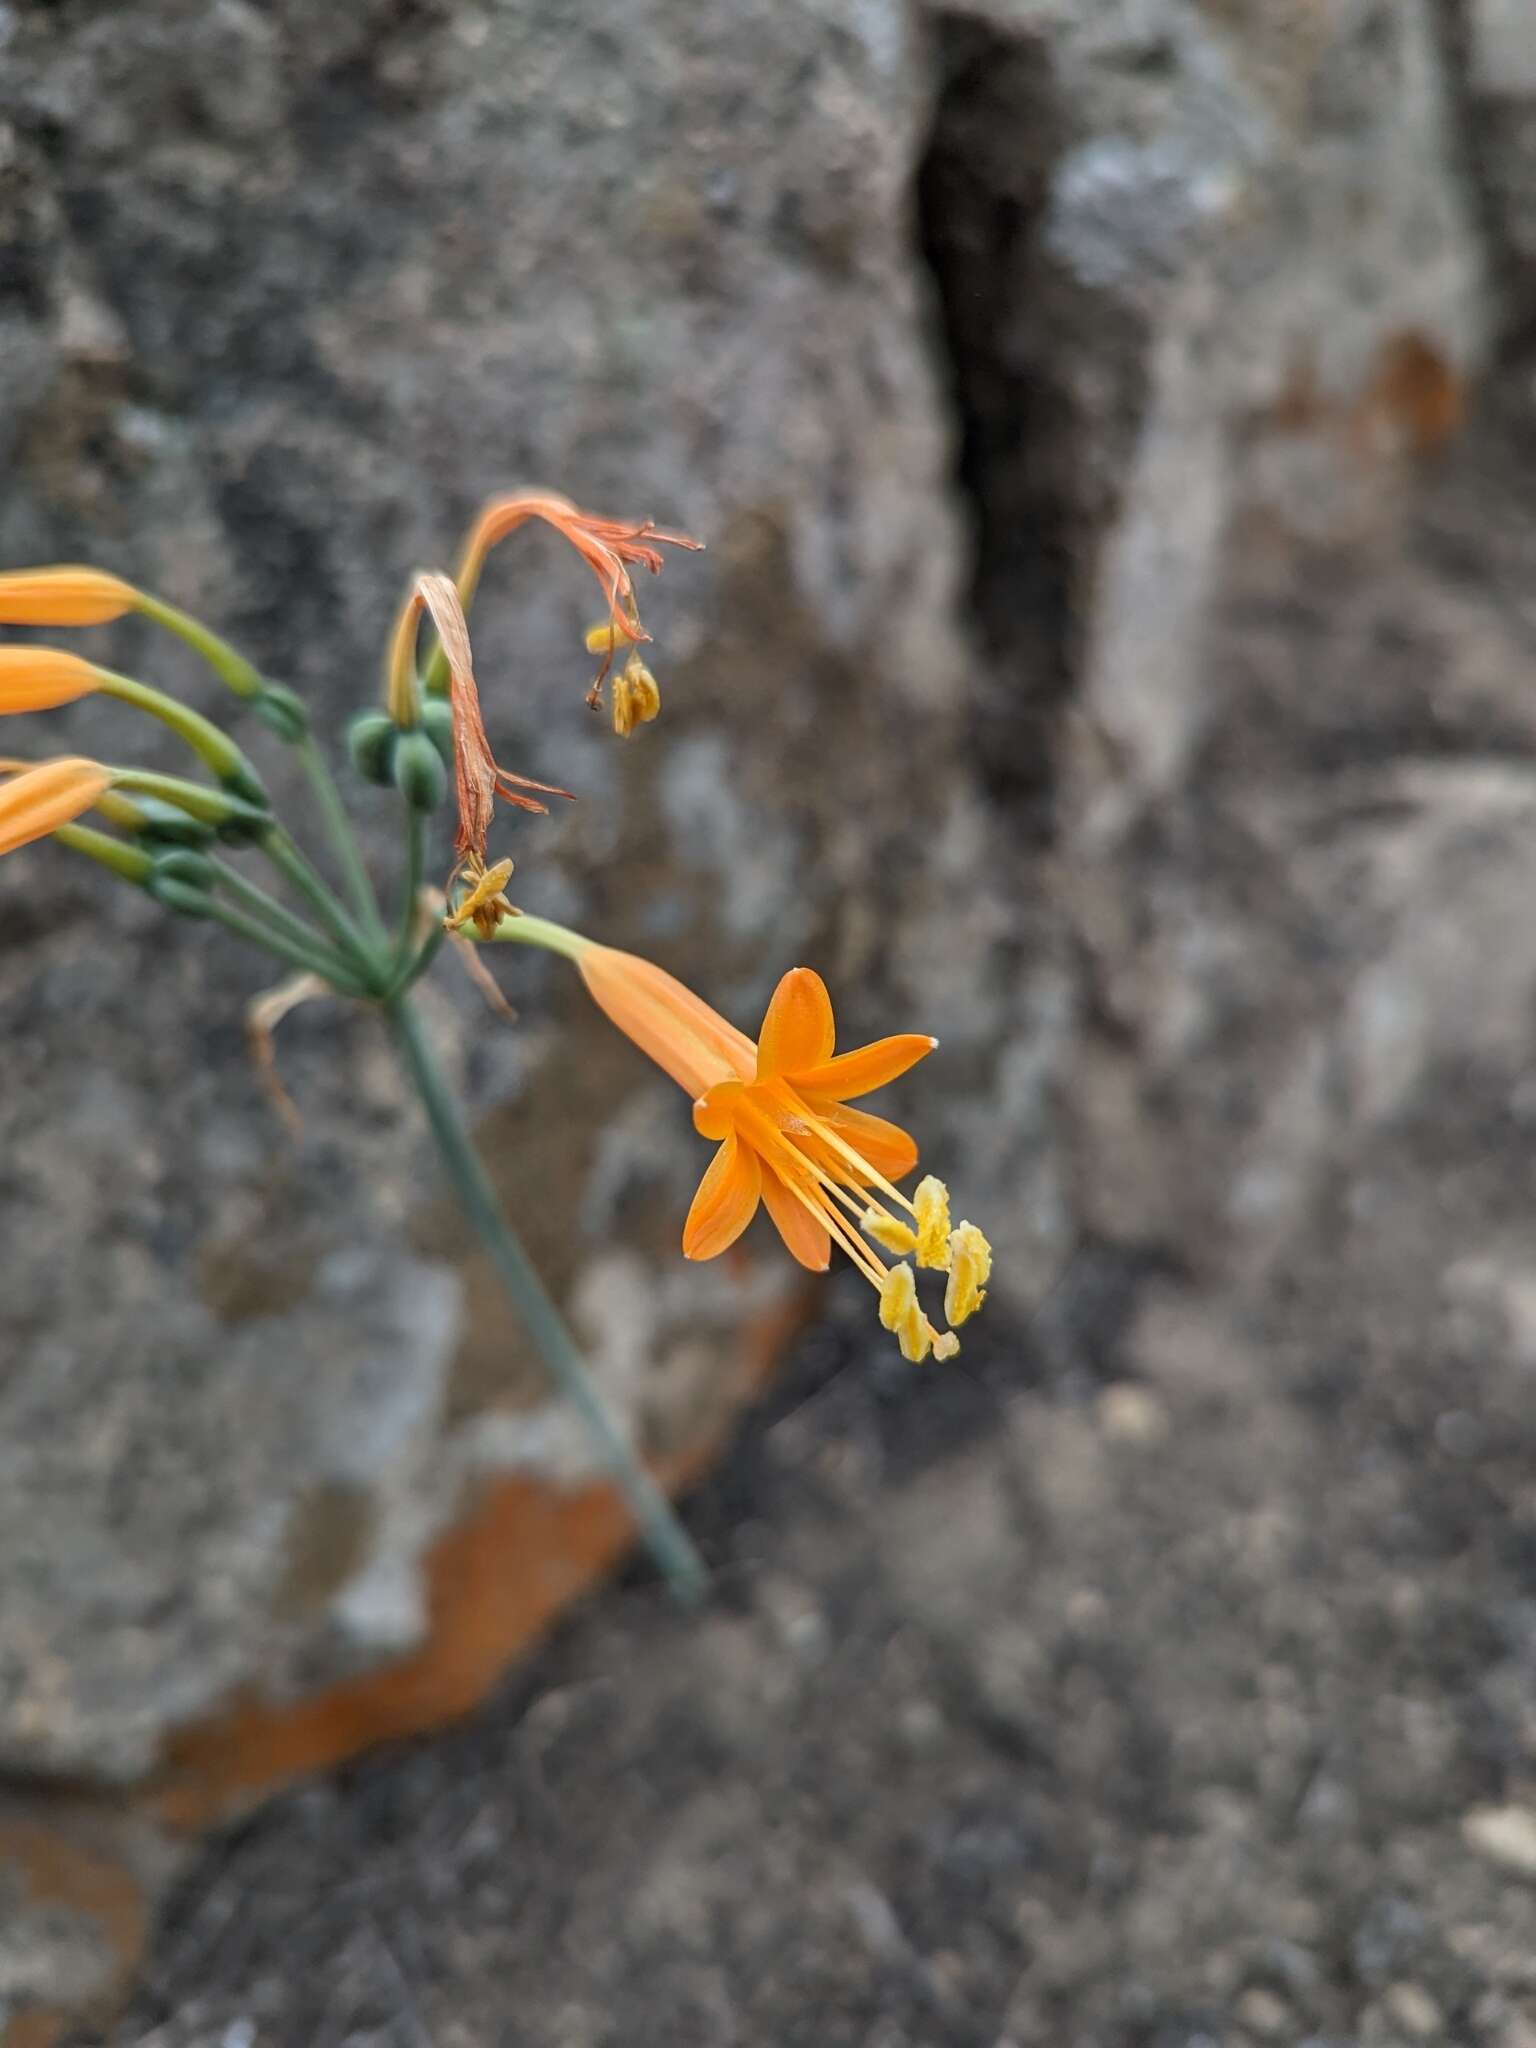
(1111,423)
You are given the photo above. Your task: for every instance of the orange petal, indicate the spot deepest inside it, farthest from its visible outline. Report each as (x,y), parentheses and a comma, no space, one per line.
(726,1201)
(797,1031)
(37,800)
(669,1023)
(871,1066)
(40,678)
(714,1114)
(806,1237)
(886,1147)
(63,597)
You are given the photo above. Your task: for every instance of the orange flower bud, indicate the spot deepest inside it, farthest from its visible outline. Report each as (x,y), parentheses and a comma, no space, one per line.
(39,678)
(37,801)
(72,596)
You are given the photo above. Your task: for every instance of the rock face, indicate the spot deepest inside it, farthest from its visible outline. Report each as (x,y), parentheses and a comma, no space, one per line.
(1055,382)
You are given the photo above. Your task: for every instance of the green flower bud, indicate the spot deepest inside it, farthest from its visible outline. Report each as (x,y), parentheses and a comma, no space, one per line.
(182,864)
(437,724)
(230,815)
(168,825)
(371,743)
(420,775)
(243,780)
(240,827)
(283,711)
(183,897)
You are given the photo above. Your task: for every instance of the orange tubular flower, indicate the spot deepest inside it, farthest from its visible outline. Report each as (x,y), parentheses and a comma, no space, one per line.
(778,1111)
(38,800)
(71,596)
(41,678)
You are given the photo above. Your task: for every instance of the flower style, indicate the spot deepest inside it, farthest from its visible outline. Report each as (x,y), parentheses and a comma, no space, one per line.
(787,1139)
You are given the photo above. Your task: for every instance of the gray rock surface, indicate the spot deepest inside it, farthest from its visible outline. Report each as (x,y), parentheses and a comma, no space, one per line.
(1091,665)
(293,294)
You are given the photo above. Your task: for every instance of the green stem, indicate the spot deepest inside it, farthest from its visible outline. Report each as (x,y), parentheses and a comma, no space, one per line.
(538,931)
(317,961)
(415,857)
(664,1535)
(338,827)
(131,862)
(418,963)
(288,860)
(233,668)
(208,741)
(256,900)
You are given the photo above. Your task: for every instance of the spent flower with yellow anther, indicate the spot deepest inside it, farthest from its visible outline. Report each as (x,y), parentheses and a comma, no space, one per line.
(482,904)
(778,1112)
(633,693)
(609,547)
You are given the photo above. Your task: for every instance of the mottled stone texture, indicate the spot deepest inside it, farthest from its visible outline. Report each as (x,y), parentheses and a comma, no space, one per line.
(1054,382)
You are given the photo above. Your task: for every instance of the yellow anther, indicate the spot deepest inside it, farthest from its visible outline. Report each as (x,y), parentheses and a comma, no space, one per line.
(898,1297)
(607,634)
(946,1346)
(930,1203)
(900,1313)
(484,900)
(636,697)
(888,1231)
(914,1335)
(970,1268)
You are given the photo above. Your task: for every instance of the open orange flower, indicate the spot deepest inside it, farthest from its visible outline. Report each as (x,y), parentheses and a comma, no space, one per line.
(787,1139)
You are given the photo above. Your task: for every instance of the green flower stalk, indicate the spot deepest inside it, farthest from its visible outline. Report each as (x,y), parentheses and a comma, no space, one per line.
(165,838)
(776,1108)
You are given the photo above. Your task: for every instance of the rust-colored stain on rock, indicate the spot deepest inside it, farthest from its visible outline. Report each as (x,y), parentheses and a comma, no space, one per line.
(496,1581)
(57,1870)
(1415,400)
(32,2030)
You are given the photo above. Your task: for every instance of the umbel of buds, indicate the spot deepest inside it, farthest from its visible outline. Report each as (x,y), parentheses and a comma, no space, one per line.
(209,845)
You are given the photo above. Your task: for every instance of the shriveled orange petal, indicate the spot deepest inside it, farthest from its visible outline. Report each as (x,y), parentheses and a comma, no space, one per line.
(867,1068)
(41,678)
(33,803)
(806,1239)
(798,1029)
(885,1146)
(69,596)
(669,1023)
(726,1201)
